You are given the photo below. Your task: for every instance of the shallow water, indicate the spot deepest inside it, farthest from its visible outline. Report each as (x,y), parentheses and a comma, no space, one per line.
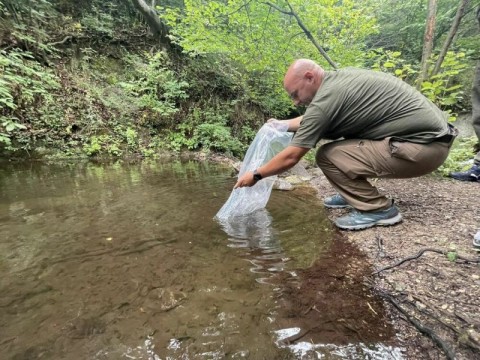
(125,261)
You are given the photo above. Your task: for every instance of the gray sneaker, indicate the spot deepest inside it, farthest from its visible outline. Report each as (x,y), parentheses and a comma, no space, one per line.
(358,220)
(335,202)
(476,239)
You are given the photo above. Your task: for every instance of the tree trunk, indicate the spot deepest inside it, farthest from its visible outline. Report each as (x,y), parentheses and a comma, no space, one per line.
(451,35)
(427,41)
(158,28)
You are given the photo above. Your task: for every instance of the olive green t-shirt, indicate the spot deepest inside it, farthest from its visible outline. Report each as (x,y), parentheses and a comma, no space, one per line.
(365,104)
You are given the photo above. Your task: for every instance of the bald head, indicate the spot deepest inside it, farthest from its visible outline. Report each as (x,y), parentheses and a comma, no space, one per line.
(300,66)
(302,80)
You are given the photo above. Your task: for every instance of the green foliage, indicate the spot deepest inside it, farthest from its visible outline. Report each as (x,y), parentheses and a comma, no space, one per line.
(452,256)
(391,62)
(25,89)
(181,138)
(156,87)
(217,137)
(402,25)
(128,99)
(132,138)
(94,147)
(98,21)
(265,40)
(9,125)
(441,88)
(103,144)
(205,130)
(460,156)
(26,26)
(310,157)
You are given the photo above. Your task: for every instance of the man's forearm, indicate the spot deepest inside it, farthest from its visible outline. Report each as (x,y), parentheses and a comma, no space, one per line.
(283,161)
(294,124)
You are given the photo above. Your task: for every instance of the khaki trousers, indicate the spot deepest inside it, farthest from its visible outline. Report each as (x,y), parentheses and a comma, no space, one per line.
(348,163)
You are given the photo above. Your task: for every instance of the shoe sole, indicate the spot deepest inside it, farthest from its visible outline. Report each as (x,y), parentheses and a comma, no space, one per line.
(336,206)
(466,179)
(385,222)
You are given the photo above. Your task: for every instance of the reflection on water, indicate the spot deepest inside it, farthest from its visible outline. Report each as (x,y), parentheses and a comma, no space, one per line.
(255,233)
(125,261)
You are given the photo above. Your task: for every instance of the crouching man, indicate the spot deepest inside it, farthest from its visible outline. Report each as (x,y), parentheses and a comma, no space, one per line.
(384,129)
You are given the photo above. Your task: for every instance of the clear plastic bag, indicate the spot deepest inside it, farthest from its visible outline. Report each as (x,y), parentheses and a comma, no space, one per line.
(269,141)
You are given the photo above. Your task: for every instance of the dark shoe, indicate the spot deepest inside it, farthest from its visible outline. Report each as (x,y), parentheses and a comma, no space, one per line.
(335,202)
(472,174)
(358,220)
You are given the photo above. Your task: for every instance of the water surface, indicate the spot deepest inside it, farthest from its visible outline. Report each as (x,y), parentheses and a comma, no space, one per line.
(125,261)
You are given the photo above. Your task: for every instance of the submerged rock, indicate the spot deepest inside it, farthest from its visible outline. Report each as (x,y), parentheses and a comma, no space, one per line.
(161,300)
(281,184)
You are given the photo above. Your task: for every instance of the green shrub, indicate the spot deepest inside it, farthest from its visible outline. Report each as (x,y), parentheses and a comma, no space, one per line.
(155,86)
(460,157)
(217,137)
(103,144)
(442,89)
(25,89)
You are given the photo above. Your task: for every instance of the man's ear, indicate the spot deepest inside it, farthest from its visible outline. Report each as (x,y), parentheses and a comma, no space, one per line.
(308,75)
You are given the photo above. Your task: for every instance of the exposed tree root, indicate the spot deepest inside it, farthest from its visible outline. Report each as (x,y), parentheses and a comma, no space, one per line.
(449,352)
(423,251)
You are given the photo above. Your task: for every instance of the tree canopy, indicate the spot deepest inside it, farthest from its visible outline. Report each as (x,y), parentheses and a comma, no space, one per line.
(94,76)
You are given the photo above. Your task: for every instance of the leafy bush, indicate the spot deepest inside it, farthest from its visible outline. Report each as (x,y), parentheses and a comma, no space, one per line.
(206,130)
(217,137)
(442,89)
(103,144)
(460,157)
(155,86)
(391,62)
(25,89)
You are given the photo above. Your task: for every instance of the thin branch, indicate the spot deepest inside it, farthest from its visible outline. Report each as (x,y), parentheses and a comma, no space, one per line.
(381,251)
(69,37)
(451,35)
(305,30)
(311,38)
(278,9)
(245,4)
(423,329)
(420,253)
(428,312)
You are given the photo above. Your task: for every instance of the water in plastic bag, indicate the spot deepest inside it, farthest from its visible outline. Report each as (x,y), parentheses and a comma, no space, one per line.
(269,141)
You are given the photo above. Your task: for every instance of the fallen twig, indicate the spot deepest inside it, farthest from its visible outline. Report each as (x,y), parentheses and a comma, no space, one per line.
(293,338)
(423,329)
(420,253)
(466,319)
(433,316)
(371,308)
(381,252)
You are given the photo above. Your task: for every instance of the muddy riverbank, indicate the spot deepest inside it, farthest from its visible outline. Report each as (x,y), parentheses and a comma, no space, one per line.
(440,292)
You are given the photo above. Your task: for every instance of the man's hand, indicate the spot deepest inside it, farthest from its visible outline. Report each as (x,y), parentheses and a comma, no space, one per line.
(291,125)
(246,180)
(280,125)
(281,162)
